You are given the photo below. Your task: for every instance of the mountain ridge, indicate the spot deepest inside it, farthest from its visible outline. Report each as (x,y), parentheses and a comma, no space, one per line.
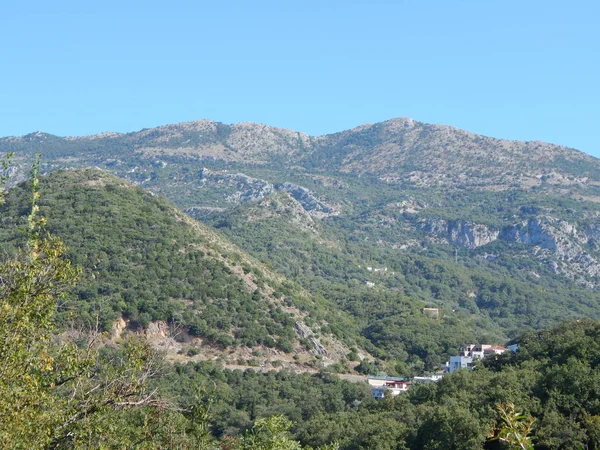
(500,235)
(204,122)
(399,150)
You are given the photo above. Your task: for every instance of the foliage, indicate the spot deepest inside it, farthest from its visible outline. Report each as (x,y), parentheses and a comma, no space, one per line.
(546,394)
(142,261)
(272,434)
(514,428)
(240,398)
(56,392)
(485,294)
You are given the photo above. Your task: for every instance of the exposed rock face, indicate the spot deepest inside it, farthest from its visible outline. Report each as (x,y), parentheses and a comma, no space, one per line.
(242,188)
(307,199)
(559,243)
(249,189)
(593,233)
(306,333)
(532,233)
(460,232)
(303,331)
(119,326)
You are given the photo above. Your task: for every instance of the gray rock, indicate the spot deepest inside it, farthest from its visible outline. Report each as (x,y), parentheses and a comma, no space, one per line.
(461,233)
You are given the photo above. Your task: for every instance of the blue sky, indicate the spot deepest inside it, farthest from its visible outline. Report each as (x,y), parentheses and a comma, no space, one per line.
(525,70)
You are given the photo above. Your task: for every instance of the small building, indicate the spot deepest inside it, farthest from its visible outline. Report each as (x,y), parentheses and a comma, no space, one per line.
(478,351)
(378,381)
(460,362)
(392,388)
(494,350)
(469,353)
(430,379)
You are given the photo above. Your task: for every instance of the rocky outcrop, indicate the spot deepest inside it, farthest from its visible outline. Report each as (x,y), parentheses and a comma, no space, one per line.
(237,187)
(593,234)
(241,188)
(249,189)
(460,232)
(560,244)
(307,199)
(306,333)
(531,233)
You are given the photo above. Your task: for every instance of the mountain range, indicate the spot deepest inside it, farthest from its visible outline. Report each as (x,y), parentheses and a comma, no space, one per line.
(365,228)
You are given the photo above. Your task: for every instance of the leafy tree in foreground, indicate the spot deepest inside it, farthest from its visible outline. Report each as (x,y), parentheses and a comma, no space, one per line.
(55,392)
(272,434)
(514,428)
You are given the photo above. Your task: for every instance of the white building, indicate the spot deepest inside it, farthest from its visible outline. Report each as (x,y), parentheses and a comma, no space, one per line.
(460,362)
(472,352)
(393,386)
(430,379)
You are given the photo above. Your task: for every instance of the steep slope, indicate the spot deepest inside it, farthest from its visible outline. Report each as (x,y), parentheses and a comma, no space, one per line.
(384,285)
(149,264)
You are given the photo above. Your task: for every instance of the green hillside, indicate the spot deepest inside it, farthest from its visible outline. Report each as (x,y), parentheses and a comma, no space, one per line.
(552,381)
(147,262)
(478,300)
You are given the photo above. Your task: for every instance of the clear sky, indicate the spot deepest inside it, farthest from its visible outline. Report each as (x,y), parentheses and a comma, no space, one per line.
(524,69)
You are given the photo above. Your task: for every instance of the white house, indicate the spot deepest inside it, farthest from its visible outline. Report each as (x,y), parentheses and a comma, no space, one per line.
(469,353)
(430,379)
(460,362)
(394,386)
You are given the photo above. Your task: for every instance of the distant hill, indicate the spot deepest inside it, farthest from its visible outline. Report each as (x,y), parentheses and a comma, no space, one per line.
(378,222)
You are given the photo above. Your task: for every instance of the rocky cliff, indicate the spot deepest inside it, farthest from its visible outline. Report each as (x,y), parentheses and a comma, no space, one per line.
(563,247)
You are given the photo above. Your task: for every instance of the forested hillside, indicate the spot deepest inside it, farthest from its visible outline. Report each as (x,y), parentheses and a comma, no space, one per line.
(320,253)
(373,224)
(149,267)
(553,381)
(144,262)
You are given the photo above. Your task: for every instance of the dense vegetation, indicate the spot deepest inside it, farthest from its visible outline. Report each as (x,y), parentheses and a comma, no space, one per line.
(395,188)
(479,300)
(554,378)
(143,261)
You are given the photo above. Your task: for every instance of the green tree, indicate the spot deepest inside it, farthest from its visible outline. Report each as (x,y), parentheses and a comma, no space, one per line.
(56,391)
(513,428)
(273,434)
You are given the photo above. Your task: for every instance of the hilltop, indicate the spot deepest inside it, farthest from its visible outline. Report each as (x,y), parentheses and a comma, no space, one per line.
(399,150)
